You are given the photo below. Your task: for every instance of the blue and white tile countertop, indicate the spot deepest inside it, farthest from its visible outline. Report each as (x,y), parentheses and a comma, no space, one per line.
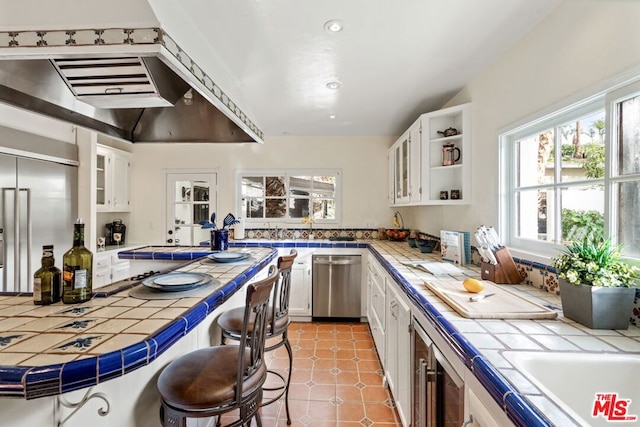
(49,350)
(114,334)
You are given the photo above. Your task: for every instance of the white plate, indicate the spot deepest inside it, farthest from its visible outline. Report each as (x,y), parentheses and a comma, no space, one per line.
(174,282)
(229,256)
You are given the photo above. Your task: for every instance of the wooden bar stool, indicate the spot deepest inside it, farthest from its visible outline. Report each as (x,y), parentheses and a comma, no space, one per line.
(231,324)
(212,381)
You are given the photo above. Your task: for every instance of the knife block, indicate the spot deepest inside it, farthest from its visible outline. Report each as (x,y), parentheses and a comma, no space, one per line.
(504,272)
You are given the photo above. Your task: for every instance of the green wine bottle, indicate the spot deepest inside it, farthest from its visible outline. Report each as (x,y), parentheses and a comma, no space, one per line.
(47,280)
(77,269)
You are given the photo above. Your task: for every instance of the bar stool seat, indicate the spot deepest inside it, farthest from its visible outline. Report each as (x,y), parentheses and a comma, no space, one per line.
(215,380)
(231,324)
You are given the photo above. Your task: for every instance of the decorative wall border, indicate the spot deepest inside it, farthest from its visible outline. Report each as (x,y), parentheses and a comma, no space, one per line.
(124,37)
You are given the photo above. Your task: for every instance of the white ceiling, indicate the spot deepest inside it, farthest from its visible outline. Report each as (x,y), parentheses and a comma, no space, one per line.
(394,59)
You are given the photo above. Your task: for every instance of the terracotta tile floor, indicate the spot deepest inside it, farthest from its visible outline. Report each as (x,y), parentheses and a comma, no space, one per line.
(336,381)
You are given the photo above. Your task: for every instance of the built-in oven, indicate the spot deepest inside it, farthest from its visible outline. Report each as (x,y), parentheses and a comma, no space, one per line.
(438,391)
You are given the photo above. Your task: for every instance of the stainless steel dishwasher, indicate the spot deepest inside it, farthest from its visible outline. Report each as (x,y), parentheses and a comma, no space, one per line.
(336,286)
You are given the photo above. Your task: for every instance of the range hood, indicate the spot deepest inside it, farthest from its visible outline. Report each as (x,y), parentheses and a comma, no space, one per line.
(148,97)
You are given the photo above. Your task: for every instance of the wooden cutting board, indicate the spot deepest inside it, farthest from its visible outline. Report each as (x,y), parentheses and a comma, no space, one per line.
(503,305)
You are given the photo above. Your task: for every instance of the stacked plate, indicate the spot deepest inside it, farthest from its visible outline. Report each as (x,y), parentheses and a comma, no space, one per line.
(176,282)
(225,256)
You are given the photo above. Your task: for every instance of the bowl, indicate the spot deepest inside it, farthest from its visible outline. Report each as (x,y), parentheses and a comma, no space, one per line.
(426,246)
(412,242)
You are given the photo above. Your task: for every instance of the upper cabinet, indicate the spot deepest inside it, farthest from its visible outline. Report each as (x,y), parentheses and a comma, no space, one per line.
(112,179)
(430,164)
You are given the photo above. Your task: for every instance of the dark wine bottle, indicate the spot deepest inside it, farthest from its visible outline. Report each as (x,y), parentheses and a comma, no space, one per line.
(47,280)
(77,269)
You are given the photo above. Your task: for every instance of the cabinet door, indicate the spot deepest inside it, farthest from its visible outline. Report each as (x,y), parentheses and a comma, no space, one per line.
(120,194)
(415,187)
(392,187)
(300,296)
(102,179)
(403,360)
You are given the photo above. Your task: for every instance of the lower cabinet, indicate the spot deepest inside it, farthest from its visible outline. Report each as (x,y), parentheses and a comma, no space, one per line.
(108,268)
(376,307)
(397,367)
(300,294)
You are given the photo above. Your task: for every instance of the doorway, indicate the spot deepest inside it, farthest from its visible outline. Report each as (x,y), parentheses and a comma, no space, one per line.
(191,198)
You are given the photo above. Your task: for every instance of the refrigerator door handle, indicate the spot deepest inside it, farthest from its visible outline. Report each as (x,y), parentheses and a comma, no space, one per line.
(29,240)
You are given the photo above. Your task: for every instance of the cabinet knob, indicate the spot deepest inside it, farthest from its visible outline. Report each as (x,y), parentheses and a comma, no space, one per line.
(169,240)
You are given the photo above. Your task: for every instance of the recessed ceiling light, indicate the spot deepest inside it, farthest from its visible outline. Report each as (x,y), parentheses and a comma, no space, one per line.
(333,85)
(332,116)
(333,26)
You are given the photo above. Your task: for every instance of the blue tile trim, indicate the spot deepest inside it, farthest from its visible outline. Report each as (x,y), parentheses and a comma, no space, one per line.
(76,375)
(12,384)
(43,381)
(109,366)
(518,410)
(135,356)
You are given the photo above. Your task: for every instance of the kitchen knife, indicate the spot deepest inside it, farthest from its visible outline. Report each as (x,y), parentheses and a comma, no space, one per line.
(480,297)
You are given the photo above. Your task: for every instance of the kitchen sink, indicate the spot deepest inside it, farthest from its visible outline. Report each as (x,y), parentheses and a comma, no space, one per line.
(586,383)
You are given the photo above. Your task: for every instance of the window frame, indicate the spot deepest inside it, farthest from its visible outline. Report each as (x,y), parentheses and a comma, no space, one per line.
(605,98)
(288,173)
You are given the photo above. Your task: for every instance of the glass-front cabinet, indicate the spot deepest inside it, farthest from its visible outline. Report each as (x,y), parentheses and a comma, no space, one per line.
(404,167)
(112,179)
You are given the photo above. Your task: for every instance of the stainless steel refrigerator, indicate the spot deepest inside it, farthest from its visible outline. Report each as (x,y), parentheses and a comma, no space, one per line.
(38,206)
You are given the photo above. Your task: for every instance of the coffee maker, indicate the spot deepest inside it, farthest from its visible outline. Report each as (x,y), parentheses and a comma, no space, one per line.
(115,233)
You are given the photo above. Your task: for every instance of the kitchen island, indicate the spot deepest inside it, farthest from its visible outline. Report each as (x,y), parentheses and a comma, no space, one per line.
(106,353)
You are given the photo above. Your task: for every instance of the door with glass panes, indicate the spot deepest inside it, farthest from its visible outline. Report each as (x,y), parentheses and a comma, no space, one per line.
(191,199)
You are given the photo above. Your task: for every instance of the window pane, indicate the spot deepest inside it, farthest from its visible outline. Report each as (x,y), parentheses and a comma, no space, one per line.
(628,200)
(275,208)
(183,191)
(253,208)
(582,212)
(300,185)
(299,208)
(582,146)
(629,136)
(182,214)
(200,191)
(324,186)
(326,209)
(534,160)
(200,212)
(275,186)
(253,186)
(535,214)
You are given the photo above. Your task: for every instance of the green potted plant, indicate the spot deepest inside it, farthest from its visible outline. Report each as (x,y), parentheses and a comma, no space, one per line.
(596,284)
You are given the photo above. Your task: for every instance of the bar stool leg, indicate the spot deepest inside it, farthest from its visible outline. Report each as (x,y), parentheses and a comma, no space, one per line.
(286,395)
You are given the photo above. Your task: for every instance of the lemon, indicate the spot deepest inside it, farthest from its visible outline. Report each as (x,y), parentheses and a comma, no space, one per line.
(473,285)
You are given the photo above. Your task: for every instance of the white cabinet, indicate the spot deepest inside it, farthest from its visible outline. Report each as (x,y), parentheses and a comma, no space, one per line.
(404,167)
(300,295)
(425,165)
(108,268)
(398,359)
(112,179)
(376,307)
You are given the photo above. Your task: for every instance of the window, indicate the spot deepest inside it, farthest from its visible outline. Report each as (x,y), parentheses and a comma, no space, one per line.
(575,173)
(289,196)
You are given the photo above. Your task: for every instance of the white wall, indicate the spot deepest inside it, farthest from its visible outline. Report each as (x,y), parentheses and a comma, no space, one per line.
(581,44)
(363,161)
